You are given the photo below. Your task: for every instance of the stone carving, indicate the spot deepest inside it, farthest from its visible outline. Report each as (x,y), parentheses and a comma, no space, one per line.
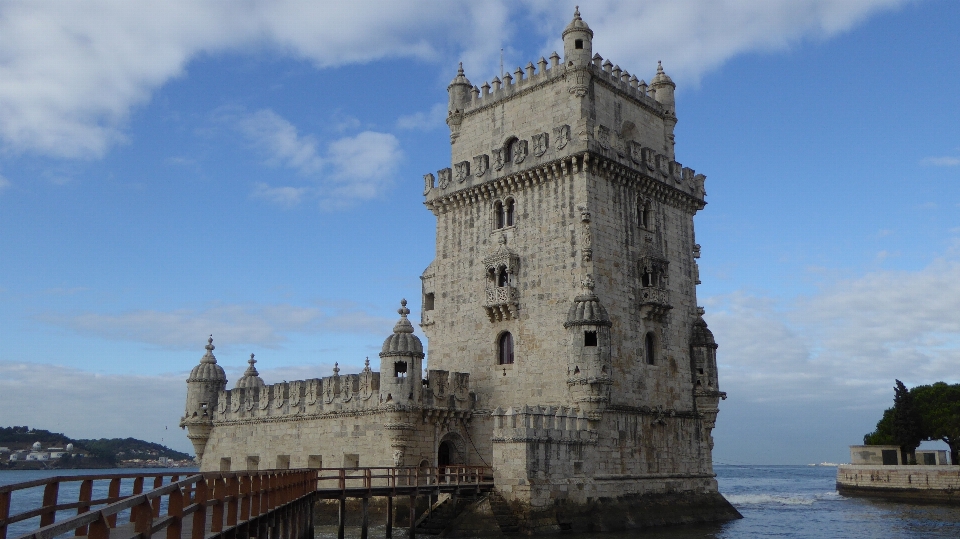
(398,458)
(462,171)
(540,141)
(346,387)
(498,158)
(222,403)
(603,137)
(366,381)
(676,172)
(481,164)
(519,151)
(650,159)
(586,237)
(636,152)
(278,395)
(313,392)
(331,385)
(236,400)
(445,177)
(250,403)
(295,393)
(264,398)
(428,183)
(663,165)
(579,84)
(561,136)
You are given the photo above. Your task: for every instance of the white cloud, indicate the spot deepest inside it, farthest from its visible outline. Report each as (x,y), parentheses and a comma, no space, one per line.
(281,196)
(424,121)
(4,183)
(264,325)
(351,168)
(72,71)
(88,405)
(941,161)
(363,165)
(845,344)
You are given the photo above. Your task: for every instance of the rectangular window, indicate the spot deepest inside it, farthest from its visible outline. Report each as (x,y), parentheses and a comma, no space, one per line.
(930,459)
(578,44)
(400,369)
(589,338)
(283,462)
(428,301)
(224,464)
(315,461)
(351,460)
(253,462)
(889,457)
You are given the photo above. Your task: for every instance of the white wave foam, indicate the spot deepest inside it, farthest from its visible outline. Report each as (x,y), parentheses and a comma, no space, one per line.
(765,499)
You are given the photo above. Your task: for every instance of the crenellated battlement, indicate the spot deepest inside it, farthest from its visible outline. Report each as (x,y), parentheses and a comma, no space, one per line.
(560,424)
(340,393)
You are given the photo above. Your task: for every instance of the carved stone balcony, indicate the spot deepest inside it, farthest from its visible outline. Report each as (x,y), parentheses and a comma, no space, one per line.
(502,303)
(654,303)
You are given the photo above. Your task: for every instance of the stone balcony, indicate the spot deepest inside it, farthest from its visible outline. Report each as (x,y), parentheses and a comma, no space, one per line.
(502,303)
(654,302)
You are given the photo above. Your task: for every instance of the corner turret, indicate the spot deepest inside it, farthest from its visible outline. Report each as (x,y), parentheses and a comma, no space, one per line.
(251,378)
(401,363)
(577,42)
(206,381)
(663,87)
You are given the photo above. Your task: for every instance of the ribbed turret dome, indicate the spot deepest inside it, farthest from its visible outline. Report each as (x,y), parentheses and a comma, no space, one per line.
(661,77)
(586,309)
(403,342)
(208,370)
(577,24)
(702,336)
(461,78)
(250,378)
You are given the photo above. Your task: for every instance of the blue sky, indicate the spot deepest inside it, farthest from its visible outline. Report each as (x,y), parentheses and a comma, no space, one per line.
(173,170)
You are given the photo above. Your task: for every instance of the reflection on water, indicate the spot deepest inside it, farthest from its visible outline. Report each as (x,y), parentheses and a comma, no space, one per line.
(776,501)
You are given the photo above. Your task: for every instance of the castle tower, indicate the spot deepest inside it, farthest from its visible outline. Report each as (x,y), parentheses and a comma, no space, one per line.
(565,284)
(206,381)
(401,364)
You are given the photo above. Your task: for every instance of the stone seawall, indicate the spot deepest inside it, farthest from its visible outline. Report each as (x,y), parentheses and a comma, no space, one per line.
(924,484)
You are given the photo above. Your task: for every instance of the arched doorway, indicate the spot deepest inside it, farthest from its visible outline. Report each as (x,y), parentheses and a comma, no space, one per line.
(450,452)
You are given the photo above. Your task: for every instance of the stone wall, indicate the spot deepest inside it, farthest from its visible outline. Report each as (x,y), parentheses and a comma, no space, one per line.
(914,483)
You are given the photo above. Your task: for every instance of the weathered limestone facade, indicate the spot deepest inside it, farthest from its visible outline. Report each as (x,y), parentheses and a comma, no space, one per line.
(566,347)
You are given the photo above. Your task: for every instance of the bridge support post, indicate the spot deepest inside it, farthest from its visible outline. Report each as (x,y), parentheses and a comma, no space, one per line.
(413,517)
(366,518)
(341,517)
(389,534)
(311,502)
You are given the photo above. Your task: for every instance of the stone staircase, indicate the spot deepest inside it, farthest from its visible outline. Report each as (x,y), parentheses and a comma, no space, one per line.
(507,521)
(443,514)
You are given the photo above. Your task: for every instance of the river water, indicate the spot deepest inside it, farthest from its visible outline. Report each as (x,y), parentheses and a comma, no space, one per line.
(776,501)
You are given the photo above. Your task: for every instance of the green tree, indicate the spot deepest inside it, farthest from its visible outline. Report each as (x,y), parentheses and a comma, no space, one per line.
(939,409)
(883,434)
(907,424)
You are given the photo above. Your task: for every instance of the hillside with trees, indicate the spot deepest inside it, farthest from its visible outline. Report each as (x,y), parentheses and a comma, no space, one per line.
(103,452)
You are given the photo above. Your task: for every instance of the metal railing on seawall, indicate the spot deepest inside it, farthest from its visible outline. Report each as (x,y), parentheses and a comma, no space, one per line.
(235,505)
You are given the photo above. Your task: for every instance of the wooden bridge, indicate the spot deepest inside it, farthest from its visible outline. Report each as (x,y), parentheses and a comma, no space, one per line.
(268,504)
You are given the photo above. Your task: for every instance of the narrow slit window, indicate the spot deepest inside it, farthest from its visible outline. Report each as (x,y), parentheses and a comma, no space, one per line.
(509,212)
(505,349)
(498,214)
(428,301)
(649,349)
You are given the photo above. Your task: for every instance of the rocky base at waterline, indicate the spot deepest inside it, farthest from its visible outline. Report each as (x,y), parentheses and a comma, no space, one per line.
(625,513)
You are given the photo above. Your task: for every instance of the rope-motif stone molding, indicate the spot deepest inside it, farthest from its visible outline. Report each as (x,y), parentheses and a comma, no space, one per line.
(652,411)
(595,163)
(634,477)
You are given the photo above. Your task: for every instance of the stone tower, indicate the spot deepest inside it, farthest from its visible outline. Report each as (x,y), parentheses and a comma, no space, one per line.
(204,385)
(565,283)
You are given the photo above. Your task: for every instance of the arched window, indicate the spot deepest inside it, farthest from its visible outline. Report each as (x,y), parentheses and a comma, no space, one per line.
(650,348)
(503,278)
(498,214)
(641,213)
(509,211)
(505,349)
(508,150)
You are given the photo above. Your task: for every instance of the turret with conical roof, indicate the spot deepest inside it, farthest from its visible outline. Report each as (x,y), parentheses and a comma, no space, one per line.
(206,381)
(577,41)
(401,363)
(251,378)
